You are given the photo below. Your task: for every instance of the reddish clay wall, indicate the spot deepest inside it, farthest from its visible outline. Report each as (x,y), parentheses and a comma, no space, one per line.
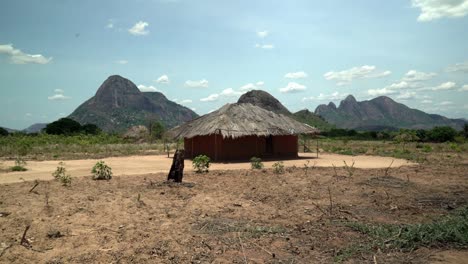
(243,148)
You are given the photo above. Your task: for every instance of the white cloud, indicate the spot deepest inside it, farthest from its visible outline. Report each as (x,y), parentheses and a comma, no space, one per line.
(406,95)
(123,62)
(163,79)
(464,88)
(197,84)
(426,101)
(295,75)
(458,67)
(324,97)
(230,92)
(293,87)
(19,57)
(110,24)
(248,87)
(260,83)
(444,86)
(139,29)
(186,101)
(416,76)
(28,114)
(210,98)
(435,9)
(265,46)
(446,103)
(59,91)
(347,76)
(145,88)
(193,109)
(263,34)
(58,97)
(379,92)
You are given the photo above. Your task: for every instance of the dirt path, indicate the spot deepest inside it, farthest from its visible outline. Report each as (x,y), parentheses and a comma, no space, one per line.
(137,165)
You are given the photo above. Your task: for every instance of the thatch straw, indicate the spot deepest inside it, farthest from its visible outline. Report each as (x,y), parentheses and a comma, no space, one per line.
(238,120)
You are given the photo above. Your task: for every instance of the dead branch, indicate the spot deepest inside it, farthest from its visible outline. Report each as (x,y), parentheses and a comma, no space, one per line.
(24,242)
(36,183)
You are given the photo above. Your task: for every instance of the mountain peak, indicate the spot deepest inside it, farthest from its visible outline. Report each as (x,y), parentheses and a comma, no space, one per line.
(350,98)
(264,100)
(381,113)
(119,104)
(115,91)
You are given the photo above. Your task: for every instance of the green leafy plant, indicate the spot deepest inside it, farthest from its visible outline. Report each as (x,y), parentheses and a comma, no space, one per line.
(201,163)
(278,167)
(101,171)
(256,163)
(19,164)
(61,175)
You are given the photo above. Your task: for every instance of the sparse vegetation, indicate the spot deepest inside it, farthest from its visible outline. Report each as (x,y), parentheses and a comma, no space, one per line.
(201,163)
(450,230)
(101,171)
(278,167)
(61,175)
(256,163)
(20,164)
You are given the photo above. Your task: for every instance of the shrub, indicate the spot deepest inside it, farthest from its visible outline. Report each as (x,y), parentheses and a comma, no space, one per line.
(427,148)
(442,134)
(3,132)
(61,175)
(201,163)
(278,167)
(256,163)
(101,171)
(19,164)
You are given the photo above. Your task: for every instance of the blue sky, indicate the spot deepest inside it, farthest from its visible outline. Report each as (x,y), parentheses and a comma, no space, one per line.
(55,54)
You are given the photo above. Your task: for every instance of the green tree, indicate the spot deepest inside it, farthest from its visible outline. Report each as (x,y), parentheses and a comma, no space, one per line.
(91,129)
(63,126)
(405,136)
(157,130)
(465,130)
(3,132)
(442,134)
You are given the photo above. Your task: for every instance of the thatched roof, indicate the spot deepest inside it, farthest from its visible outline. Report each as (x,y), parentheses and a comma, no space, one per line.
(238,120)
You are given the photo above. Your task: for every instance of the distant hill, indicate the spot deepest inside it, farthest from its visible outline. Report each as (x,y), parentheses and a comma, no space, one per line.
(35,128)
(9,129)
(118,104)
(381,113)
(310,118)
(267,101)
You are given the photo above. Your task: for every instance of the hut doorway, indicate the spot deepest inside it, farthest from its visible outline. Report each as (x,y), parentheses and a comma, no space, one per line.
(269,145)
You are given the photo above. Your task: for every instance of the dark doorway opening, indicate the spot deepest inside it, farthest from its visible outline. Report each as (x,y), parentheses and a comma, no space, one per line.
(269,145)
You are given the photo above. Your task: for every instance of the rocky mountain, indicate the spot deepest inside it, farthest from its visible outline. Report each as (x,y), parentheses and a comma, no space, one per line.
(267,101)
(381,113)
(264,100)
(118,104)
(35,128)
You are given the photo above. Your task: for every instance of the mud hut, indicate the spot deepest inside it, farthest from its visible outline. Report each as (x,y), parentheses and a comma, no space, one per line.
(241,131)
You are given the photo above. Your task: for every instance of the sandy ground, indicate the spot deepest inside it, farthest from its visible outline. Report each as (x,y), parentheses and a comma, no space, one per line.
(138,165)
(229,216)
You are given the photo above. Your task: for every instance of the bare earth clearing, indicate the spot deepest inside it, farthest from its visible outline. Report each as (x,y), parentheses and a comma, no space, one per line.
(227,216)
(138,165)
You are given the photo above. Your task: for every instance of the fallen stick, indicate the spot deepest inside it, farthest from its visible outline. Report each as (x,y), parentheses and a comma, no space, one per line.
(24,242)
(272,254)
(36,183)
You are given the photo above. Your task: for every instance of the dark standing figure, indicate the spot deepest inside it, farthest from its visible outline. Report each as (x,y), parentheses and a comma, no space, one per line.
(177,169)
